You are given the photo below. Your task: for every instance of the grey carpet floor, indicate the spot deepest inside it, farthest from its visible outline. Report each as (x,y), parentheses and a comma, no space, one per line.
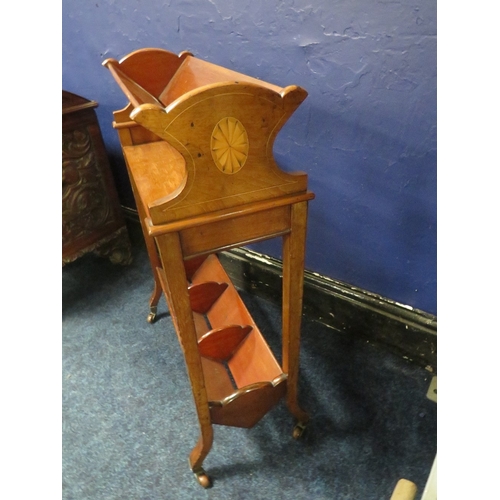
(129,422)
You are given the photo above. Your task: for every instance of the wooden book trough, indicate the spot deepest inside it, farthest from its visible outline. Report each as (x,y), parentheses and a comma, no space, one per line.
(198,143)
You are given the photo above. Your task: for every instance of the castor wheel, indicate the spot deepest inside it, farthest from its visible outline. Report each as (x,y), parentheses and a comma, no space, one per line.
(203,479)
(298,431)
(152,314)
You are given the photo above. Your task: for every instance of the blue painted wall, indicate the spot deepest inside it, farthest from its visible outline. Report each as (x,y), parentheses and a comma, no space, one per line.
(366,135)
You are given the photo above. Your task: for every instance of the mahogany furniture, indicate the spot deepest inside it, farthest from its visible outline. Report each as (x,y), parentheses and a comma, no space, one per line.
(198,143)
(92,220)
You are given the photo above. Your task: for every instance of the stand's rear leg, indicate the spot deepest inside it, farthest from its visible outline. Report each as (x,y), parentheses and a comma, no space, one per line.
(155,298)
(293,282)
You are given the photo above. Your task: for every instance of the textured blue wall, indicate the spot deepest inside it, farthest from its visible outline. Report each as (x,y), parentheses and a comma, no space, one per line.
(366,135)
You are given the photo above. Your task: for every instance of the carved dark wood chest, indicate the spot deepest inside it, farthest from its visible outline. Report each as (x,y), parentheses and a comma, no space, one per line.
(92,220)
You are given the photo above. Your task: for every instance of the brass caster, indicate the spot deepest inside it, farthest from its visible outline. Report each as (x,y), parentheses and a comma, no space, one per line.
(152,314)
(298,431)
(202,478)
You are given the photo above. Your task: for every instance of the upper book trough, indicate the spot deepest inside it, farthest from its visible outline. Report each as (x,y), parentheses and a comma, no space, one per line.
(197,137)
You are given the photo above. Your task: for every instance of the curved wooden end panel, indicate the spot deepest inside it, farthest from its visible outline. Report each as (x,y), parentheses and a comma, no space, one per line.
(294,95)
(158,172)
(152,68)
(245,407)
(109,62)
(221,343)
(204,295)
(225,133)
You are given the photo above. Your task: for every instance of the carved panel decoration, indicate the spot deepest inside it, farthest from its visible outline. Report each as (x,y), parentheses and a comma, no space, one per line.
(85,205)
(91,214)
(229,145)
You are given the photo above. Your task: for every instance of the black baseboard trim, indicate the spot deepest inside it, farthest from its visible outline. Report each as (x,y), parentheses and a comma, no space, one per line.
(406,331)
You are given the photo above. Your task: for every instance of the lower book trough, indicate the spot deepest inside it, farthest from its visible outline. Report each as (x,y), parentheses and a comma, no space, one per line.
(242,377)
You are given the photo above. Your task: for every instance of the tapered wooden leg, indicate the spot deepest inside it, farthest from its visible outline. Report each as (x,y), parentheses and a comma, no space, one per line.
(155,262)
(293,281)
(154,258)
(155,297)
(175,285)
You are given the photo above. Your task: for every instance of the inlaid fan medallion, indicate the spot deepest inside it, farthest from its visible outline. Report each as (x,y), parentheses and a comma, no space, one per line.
(229,145)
